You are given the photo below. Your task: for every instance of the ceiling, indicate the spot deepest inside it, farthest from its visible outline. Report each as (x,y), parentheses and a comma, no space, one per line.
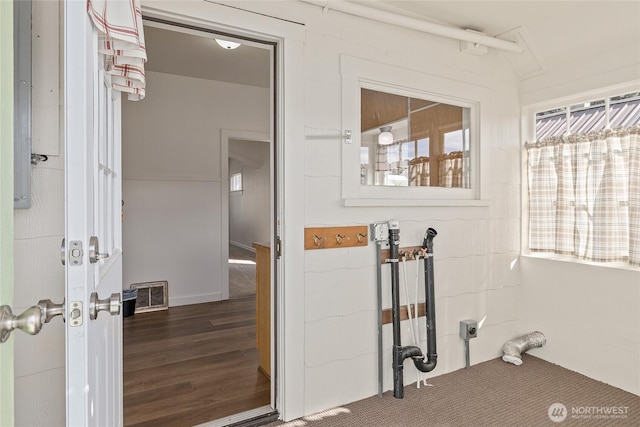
(196,54)
(557,32)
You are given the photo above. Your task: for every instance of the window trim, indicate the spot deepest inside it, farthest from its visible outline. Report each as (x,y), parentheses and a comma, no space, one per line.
(360,73)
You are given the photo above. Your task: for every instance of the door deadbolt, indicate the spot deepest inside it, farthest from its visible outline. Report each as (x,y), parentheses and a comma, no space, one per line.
(94,251)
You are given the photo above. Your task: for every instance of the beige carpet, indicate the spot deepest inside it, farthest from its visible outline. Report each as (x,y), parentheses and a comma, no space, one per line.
(242,272)
(491,394)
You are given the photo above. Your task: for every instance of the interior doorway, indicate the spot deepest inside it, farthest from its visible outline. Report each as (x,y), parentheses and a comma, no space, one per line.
(198,360)
(248,205)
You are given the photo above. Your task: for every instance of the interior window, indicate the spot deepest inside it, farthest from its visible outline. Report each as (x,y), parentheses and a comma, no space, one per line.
(410,138)
(413,142)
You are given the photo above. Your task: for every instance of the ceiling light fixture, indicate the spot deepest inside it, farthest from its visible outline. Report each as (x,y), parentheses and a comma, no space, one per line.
(227,44)
(385,137)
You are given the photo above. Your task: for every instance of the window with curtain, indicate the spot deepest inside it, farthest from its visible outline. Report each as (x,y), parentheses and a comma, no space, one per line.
(584,180)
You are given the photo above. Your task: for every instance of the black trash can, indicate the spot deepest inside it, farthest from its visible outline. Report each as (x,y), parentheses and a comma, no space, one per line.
(129,297)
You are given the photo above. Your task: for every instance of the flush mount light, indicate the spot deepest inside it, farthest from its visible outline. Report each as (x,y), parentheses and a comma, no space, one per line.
(227,44)
(385,137)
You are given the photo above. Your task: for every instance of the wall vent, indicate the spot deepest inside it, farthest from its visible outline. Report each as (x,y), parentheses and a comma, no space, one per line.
(152,296)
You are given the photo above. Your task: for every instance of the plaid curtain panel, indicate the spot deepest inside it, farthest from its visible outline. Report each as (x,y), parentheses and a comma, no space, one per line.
(450,169)
(584,195)
(634,197)
(419,172)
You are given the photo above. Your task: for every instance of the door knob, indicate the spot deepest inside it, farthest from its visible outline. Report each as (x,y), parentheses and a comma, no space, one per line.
(31,320)
(111,304)
(51,309)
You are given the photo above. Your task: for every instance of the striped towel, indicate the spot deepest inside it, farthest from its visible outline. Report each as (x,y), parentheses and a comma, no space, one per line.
(121,42)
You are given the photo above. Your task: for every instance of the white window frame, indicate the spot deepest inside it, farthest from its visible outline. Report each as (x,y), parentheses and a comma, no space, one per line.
(359,73)
(236,189)
(528,124)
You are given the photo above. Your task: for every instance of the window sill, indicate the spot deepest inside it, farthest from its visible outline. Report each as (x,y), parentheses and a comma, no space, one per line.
(618,265)
(368,202)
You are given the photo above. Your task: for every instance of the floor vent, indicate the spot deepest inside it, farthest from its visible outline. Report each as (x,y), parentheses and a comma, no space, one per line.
(152,296)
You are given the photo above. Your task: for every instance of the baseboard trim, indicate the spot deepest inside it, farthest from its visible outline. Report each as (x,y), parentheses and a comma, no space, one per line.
(194,299)
(242,246)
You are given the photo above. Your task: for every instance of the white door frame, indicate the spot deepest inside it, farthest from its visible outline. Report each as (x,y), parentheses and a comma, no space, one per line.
(225,136)
(289,37)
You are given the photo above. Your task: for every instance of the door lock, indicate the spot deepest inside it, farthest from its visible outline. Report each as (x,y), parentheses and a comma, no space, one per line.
(111,304)
(75,252)
(94,251)
(75,313)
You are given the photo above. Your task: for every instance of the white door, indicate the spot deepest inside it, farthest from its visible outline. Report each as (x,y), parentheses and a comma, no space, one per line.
(93,209)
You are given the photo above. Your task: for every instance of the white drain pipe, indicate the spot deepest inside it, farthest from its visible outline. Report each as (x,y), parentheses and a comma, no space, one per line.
(417,24)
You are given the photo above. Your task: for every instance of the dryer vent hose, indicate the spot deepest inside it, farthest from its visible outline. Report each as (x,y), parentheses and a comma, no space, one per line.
(514,348)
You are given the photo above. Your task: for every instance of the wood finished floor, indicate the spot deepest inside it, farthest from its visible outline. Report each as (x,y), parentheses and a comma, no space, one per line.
(192,364)
(242,272)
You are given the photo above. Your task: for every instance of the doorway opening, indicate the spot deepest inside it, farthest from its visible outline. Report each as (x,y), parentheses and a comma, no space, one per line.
(208,110)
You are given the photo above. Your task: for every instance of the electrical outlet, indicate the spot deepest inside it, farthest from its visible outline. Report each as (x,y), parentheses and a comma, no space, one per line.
(380,232)
(468,329)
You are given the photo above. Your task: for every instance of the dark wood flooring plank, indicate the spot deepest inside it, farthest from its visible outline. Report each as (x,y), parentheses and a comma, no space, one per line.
(154,378)
(186,353)
(192,364)
(204,414)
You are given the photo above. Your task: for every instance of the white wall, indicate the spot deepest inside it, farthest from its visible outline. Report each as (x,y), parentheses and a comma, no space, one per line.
(590,316)
(478,269)
(172,184)
(6,204)
(249,211)
(39,231)
(476,251)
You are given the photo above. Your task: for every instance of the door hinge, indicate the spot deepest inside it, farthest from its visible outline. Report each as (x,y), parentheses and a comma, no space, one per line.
(278,247)
(347,136)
